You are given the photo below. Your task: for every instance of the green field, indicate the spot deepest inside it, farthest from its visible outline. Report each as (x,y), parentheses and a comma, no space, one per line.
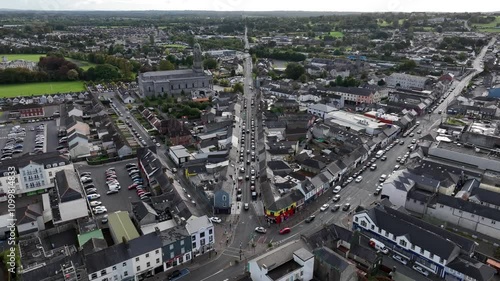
(36,57)
(40,88)
(489,27)
(177,46)
(27,57)
(336,34)
(383,23)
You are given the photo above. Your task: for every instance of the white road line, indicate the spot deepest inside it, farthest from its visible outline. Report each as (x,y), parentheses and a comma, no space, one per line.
(208,277)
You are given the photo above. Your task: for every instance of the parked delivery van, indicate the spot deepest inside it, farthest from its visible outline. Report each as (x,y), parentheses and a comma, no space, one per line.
(378,246)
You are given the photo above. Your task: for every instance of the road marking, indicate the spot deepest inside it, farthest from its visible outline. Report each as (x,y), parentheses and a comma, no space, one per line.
(208,277)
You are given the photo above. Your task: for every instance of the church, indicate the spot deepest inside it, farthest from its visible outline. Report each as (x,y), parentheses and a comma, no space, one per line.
(174,82)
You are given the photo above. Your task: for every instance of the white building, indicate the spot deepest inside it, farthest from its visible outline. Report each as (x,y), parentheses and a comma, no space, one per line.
(406,81)
(356,122)
(291,261)
(179,154)
(126,261)
(202,234)
(67,200)
(34,173)
(320,110)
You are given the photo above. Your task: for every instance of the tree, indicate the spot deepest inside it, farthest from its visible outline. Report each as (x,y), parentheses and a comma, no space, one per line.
(238,88)
(72,74)
(303,78)
(166,65)
(294,70)
(210,63)
(381,82)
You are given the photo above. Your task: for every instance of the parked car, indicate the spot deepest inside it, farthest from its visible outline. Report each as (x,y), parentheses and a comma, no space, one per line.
(337,189)
(114,191)
(93,196)
(359,179)
(400,259)
(215,219)
(420,270)
(176,273)
(95,203)
(336,198)
(346,207)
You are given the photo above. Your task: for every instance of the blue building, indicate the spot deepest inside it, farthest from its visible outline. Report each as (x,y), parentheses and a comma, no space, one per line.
(494,93)
(222,202)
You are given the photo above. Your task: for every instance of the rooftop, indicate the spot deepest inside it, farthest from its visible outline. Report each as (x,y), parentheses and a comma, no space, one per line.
(121,224)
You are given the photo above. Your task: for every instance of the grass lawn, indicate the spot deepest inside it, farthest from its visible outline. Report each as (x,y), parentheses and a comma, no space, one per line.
(85,65)
(383,23)
(177,46)
(27,57)
(40,88)
(336,34)
(489,27)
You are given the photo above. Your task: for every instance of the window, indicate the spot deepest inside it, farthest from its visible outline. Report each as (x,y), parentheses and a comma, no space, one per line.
(182,242)
(114,267)
(148,264)
(183,250)
(171,246)
(493,222)
(379,230)
(188,256)
(363,223)
(210,231)
(431,255)
(124,264)
(402,243)
(202,235)
(356,219)
(157,261)
(147,255)
(139,268)
(93,276)
(171,255)
(125,273)
(181,259)
(103,272)
(137,259)
(194,245)
(412,247)
(422,251)
(441,260)
(373,227)
(158,251)
(193,237)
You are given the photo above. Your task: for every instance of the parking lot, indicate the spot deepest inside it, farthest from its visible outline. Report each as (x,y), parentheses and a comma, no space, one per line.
(114,202)
(49,132)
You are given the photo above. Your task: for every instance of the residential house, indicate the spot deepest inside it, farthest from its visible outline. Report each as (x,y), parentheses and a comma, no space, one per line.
(283,208)
(79,145)
(176,132)
(291,261)
(153,170)
(29,219)
(72,109)
(202,234)
(132,260)
(31,111)
(357,95)
(278,167)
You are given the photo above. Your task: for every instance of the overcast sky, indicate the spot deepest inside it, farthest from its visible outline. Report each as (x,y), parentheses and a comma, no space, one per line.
(261,5)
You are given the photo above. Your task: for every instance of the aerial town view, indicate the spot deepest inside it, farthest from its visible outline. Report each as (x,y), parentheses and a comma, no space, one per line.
(230,140)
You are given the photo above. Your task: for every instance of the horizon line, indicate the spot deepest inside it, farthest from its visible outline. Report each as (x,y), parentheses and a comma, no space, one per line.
(250,11)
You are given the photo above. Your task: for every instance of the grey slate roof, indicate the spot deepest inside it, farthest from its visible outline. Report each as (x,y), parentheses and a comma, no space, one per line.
(423,235)
(277,165)
(331,258)
(472,268)
(121,252)
(469,207)
(68,186)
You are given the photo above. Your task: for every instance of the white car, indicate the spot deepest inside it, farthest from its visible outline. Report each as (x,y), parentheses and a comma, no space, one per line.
(349,179)
(90,190)
(215,219)
(359,179)
(397,167)
(337,189)
(420,270)
(324,207)
(336,198)
(400,259)
(158,144)
(94,196)
(100,211)
(260,229)
(95,203)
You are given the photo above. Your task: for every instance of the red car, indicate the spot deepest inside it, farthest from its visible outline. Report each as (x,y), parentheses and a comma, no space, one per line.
(285,230)
(132,186)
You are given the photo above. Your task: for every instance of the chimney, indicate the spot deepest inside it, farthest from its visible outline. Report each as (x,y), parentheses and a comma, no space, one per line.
(157,230)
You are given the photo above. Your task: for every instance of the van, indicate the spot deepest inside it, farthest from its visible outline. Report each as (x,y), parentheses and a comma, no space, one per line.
(377,245)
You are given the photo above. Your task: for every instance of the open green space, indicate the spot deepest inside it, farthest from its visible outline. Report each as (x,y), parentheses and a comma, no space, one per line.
(336,34)
(36,57)
(384,23)
(42,88)
(489,27)
(26,57)
(177,46)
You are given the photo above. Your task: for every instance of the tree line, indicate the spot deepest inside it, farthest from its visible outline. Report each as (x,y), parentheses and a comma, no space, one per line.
(287,55)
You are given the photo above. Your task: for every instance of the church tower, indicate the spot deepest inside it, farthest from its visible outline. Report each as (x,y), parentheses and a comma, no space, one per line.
(197,59)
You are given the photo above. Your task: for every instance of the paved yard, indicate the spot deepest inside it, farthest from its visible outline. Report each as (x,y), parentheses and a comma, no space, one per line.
(115,202)
(51,140)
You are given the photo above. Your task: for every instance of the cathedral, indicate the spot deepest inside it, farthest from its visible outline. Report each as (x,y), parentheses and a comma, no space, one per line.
(174,82)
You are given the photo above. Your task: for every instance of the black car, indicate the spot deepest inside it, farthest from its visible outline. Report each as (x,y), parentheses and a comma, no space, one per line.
(310,219)
(346,207)
(335,208)
(174,274)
